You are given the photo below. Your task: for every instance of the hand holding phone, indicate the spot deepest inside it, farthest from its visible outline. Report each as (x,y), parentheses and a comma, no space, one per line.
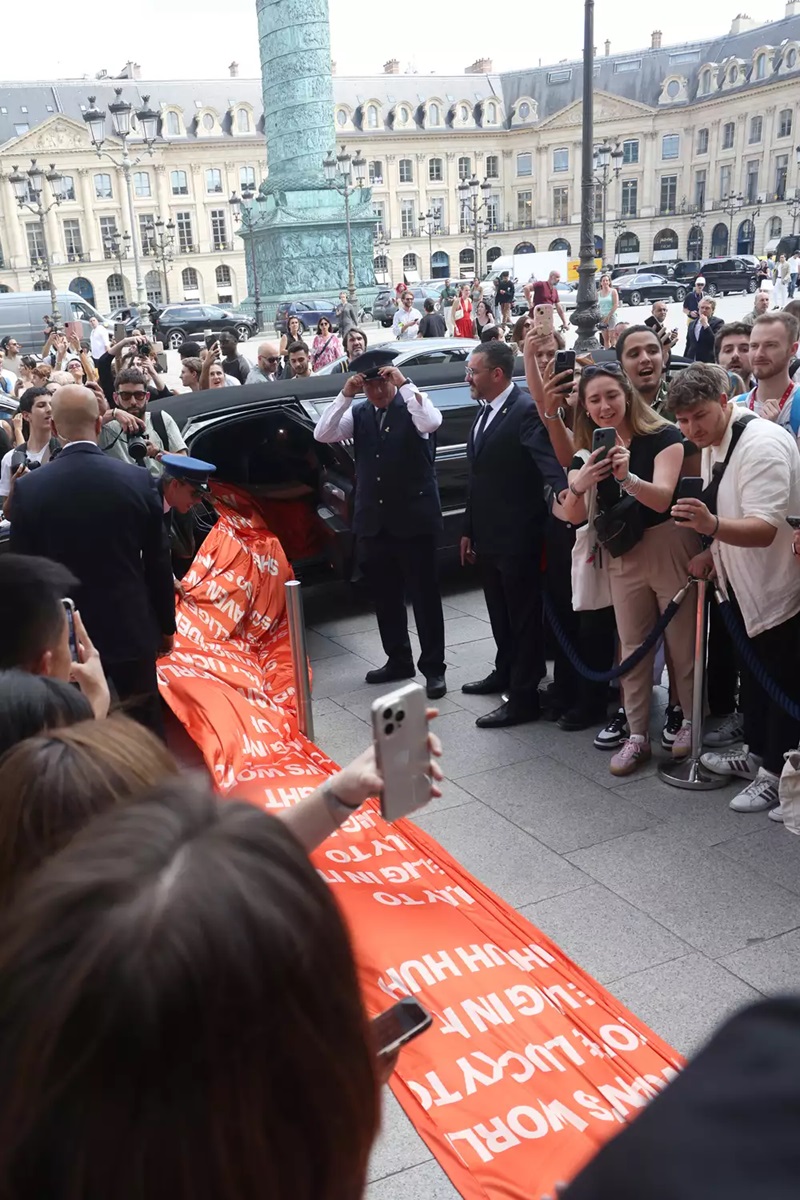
(543,320)
(400,731)
(794,522)
(69,609)
(604,439)
(565,361)
(399,1024)
(689,488)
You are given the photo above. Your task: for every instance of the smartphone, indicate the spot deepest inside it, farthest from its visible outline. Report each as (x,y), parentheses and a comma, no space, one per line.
(654,324)
(400,733)
(565,361)
(399,1024)
(603,439)
(794,522)
(689,488)
(543,319)
(69,609)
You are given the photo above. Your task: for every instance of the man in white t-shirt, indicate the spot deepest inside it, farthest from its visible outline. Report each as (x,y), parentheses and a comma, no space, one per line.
(99,340)
(773,345)
(751,555)
(130,417)
(406,320)
(37,448)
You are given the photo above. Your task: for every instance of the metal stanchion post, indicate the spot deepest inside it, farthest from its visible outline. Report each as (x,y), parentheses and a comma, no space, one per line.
(297,641)
(688,773)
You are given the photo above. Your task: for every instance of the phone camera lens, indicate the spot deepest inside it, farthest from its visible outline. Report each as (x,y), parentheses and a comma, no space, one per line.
(389,729)
(400,716)
(387,714)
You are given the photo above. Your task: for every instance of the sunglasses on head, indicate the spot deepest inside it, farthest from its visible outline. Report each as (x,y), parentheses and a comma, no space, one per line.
(609,368)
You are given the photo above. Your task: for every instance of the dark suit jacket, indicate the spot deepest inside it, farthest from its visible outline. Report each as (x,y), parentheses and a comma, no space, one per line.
(506,509)
(103,519)
(700,341)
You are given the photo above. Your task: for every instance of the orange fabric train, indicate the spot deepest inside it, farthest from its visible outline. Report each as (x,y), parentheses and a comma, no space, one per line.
(530,1064)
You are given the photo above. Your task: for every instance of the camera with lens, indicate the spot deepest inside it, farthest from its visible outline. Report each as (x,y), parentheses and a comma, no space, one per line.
(137,448)
(19,458)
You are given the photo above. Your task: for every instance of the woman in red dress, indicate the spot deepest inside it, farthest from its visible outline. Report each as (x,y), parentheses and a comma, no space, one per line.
(462,313)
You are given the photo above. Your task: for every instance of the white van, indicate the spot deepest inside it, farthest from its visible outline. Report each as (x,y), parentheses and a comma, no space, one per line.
(22,316)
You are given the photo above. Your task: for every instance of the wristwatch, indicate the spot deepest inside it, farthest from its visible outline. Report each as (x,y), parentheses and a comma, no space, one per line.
(558,415)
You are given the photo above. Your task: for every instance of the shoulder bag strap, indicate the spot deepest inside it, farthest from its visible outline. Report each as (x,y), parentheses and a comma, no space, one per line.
(160,426)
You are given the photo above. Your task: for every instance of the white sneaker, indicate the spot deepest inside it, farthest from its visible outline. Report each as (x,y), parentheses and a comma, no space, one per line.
(612,735)
(733,762)
(777,814)
(759,795)
(729,731)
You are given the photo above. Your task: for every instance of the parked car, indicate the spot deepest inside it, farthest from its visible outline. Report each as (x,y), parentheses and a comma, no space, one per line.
(644,288)
(308,312)
(419,352)
(22,314)
(723,275)
(687,271)
(385,305)
(178,323)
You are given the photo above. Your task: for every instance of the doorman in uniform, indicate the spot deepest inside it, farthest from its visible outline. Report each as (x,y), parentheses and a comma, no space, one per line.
(184,489)
(397,511)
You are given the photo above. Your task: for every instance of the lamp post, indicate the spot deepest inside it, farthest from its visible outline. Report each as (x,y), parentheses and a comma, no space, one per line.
(794,204)
(732,204)
(603,157)
(432,227)
(620,227)
(382,244)
(468,192)
(29,193)
(244,214)
(116,246)
(161,244)
(148,127)
(586,313)
(339,174)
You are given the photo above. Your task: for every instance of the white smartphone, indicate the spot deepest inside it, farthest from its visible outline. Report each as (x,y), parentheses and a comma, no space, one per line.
(400,732)
(399,1024)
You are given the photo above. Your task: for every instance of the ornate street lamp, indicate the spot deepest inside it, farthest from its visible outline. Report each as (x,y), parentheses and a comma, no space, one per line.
(469,191)
(794,204)
(29,193)
(244,212)
(604,156)
(586,314)
(339,173)
(161,244)
(121,119)
(118,247)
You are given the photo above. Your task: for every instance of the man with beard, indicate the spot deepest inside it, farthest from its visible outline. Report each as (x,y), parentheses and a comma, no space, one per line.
(130,417)
(773,345)
(355,343)
(732,348)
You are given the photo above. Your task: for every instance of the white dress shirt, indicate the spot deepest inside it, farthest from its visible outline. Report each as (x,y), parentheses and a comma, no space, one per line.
(336,423)
(403,326)
(495,406)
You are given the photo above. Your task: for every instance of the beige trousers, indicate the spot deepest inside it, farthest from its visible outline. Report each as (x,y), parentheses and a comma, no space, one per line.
(643,582)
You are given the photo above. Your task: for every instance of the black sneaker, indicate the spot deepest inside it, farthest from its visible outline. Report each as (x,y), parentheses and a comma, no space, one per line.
(614,733)
(673,719)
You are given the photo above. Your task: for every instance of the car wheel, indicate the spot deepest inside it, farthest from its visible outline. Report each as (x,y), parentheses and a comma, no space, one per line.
(752,286)
(680,294)
(243,332)
(386,324)
(712,289)
(636,298)
(175,339)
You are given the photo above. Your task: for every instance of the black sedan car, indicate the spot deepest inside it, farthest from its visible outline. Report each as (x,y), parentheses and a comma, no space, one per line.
(645,288)
(179,323)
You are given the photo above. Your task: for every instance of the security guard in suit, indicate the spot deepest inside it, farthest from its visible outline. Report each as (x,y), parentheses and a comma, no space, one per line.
(183,486)
(397,510)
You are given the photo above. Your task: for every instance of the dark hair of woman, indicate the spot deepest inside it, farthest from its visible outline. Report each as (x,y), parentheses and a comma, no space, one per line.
(31,704)
(181,1015)
(51,785)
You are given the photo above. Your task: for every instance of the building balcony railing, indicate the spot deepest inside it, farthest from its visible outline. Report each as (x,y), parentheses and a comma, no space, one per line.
(77,256)
(187,248)
(222,246)
(559,219)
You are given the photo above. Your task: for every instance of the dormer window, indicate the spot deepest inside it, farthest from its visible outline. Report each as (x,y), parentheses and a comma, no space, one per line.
(173,124)
(733,75)
(491,112)
(372,116)
(464,112)
(341,117)
(434,114)
(705,83)
(524,110)
(761,66)
(242,120)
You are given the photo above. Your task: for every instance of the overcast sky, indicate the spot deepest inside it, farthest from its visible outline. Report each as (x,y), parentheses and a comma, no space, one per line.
(175,40)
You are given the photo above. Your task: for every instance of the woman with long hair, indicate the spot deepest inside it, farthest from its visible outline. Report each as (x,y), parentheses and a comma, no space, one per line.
(165,1032)
(462,313)
(294,333)
(608,303)
(484,317)
(326,347)
(644,466)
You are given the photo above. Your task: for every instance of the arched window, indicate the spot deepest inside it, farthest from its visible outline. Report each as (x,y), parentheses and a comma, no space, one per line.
(491,112)
(667,239)
(83,287)
(791,58)
(116,291)
(774,228)
(173,124)
(440,265)
(746,237)
(242,120)
(381,264)
(733,75)
(41,285)
(761,69)
(409,262)
(191,282)
(467,257)
(705,83)
(435,170)
(372,116)
(341,117)
(464,112)
(694,243)
(524,248)
(494,253)
(628,244)
(434,115)
(561,244)
(785,122)
(223,276)
(152,287)
(5,288)
(719,240)
(598,246)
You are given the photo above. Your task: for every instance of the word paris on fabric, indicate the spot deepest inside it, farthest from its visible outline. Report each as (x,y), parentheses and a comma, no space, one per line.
(530,1064)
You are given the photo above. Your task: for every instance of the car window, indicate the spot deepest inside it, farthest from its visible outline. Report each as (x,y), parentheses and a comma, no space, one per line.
(427,358)
(213,311)
(301,307)
(80,311)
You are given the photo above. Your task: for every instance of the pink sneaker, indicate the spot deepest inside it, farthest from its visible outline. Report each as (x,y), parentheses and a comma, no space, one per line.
(682,746)
(634,751)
